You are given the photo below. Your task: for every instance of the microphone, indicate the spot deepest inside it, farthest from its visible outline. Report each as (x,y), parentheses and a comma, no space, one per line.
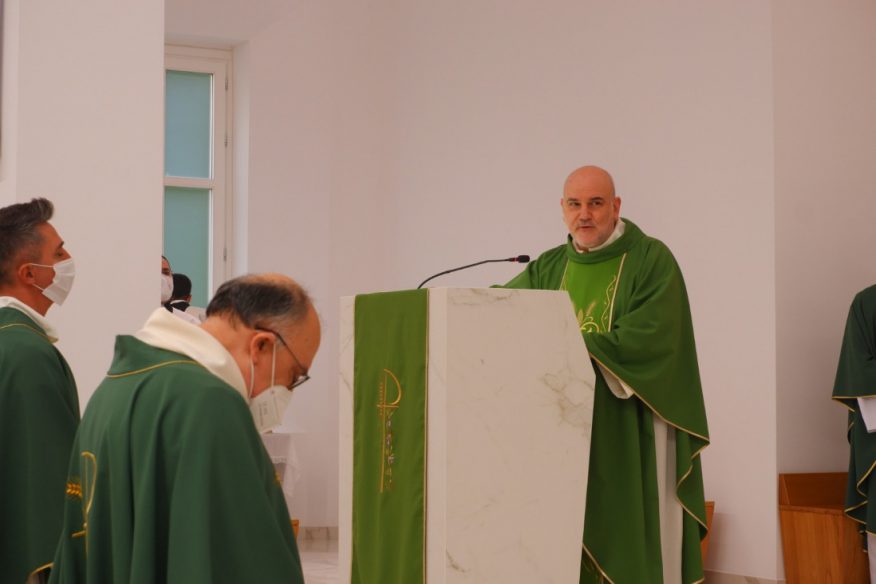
(522,259)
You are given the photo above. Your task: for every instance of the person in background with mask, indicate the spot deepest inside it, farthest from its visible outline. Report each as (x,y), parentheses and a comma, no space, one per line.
(166,281)
(169,480)
(39,405)
(167,284)
(182,298)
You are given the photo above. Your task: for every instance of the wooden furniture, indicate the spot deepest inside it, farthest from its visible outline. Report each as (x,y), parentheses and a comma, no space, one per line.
(821,545)
(704,545)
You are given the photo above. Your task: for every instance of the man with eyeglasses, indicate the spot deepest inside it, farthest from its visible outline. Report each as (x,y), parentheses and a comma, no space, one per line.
(169,480)
(645,507)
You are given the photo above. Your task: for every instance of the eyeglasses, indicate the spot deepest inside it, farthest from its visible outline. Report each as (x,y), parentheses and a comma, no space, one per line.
(301,378)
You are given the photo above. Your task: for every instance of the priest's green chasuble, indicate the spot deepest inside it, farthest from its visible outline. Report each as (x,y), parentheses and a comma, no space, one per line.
(169,482)
(592,288)
(39,412)
(856,378)
(389,438)
(632,307)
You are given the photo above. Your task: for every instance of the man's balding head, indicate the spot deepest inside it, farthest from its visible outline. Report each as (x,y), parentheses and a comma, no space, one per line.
(590,207)
(246,314)
(592,178)
(261,299)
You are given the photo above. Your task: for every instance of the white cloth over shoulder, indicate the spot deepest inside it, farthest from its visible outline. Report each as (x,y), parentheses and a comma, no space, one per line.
(165,331)
(868,412)
(183,315)
(10,302)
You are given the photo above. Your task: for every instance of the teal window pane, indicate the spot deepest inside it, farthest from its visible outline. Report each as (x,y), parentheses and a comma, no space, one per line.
(187,237)
(187,127)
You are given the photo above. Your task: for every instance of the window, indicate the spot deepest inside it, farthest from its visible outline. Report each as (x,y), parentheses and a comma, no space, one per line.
(197,178)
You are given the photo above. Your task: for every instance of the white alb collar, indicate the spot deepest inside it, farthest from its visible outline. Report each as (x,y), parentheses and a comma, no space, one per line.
(165,331)
(48,329)
(615,235)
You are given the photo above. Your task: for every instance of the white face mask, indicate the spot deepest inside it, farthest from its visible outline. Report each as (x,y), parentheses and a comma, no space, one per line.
(62,283)
(166,287)
(268,407)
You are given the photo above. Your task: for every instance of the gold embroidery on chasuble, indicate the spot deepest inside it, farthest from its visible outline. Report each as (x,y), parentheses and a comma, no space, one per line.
(74,488)
(84,490)
(592,288)
(389,385)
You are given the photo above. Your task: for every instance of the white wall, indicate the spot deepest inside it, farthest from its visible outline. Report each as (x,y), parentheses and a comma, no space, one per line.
(83,101)
(9,105)
(824,58)
(315,200)
(497,103)
(388,144)
(825,90)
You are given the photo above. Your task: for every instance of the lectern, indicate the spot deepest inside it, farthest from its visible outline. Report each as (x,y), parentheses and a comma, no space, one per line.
(465,419)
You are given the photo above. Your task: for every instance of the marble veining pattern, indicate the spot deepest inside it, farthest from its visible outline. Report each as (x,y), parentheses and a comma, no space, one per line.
(510,409)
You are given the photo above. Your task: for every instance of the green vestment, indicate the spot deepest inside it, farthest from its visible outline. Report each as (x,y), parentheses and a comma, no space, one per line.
(169,482)
(856,377)
(648,344)
(39,411)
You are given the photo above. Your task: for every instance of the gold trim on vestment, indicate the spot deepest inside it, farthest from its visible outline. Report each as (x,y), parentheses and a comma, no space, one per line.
(28,327)
(864,478)
(40,569)
(620,270)
(605,577)
(676,426)
(685,430)
(838,399)
(386,411)
(151,367)
(654,411)
(87,495)
(862,503)
(610,295)
(596,565)
(74,489)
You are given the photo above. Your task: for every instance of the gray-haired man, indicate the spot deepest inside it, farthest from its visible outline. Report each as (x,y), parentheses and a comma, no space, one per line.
(39,406)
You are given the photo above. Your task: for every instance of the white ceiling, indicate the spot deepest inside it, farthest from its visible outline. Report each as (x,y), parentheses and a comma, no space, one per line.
(220,23)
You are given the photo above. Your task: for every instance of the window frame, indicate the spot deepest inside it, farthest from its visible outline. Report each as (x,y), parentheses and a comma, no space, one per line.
(218,63)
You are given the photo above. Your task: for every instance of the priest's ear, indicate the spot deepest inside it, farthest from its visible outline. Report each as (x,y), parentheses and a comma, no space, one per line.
(259,343)
(25,273)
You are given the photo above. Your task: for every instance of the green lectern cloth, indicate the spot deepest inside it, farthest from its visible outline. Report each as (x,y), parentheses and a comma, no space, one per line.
(389,438)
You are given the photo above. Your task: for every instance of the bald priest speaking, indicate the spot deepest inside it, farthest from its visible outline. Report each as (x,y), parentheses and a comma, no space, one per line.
(645,506)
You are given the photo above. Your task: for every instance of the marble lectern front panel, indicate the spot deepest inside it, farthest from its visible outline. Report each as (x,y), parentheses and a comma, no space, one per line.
(510,401)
